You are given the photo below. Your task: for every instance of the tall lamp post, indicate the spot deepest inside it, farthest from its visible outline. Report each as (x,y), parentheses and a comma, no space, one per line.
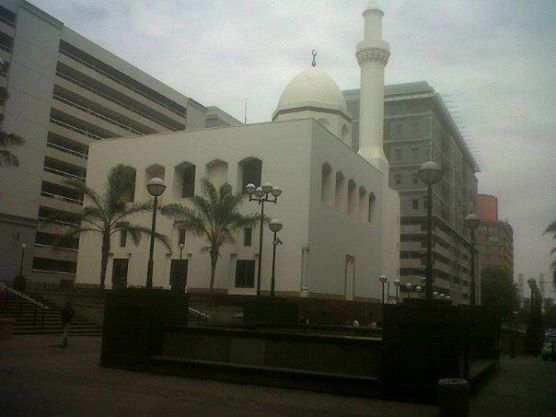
(383,280)
(430,173)
(155,187)
(182,245)
(397,285)
(408,288)
(23,246)
(265,194)
(275,226)
(472,221)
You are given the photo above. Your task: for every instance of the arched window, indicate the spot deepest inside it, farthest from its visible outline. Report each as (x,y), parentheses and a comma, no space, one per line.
(326,183)
(351,198)
(217,172)
(153,171)
(250,172)
(345,135)
(371,212)
(184,180)
(340,192)
(363,204)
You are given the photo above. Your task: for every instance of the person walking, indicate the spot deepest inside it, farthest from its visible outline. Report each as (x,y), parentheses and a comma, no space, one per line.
(66,314)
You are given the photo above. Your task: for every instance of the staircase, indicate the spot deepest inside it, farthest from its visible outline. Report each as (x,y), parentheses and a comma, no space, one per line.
(35,315)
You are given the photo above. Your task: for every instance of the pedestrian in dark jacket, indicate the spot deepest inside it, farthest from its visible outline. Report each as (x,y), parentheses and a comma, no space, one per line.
(66,314)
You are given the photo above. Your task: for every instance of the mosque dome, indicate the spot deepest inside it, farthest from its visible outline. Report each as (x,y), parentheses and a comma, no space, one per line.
(311,89)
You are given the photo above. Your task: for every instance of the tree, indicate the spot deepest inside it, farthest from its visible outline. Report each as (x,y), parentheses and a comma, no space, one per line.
(7,159)
(552,229)
(107,213)
(498,290)
(214,215)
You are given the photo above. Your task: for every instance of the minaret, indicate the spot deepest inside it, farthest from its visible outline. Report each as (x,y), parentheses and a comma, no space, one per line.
(372,55)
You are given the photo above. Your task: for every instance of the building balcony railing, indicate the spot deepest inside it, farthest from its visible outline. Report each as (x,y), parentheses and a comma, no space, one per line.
(62,198)
(100,116)
(112,99)
(67,150)
(118,81)
(75,129)
(42,245)
(64,173)
(43,219)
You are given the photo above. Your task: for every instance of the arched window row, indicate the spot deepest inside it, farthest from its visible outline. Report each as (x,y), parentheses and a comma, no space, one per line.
(186,176)
(345,196)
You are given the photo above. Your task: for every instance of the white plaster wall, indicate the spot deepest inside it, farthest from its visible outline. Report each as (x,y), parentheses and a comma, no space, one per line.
(334,122)
(284,148)
(334,234)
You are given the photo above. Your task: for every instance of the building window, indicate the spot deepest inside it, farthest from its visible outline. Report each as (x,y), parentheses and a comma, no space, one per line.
(351,197)
(415,154)
(340,191)
(245,274)
(362,204)
(415,178)
(247,236)
(370,213)
(188,182)
(123,235)
(181,236)
(398,179)
(217,172)
(399,130)
(415,129)
(251,172)
(325,183)
(119,273)
(415,204)
(398,154)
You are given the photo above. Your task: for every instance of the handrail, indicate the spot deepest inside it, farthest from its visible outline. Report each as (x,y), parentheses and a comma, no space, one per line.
(63,173)
(75,129)
(66,150)
(25,297)
(205,316)
(59,197)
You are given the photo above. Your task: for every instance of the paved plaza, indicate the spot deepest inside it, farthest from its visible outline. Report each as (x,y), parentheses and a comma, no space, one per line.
(41,379)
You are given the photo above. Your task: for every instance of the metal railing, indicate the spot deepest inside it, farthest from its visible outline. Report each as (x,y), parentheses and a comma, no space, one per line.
(21,299)
(75,129)
(201,315)
(67,150)
(59,197)
(63,173)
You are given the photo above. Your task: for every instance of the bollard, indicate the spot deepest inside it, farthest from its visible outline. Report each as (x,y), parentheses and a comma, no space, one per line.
(453,397)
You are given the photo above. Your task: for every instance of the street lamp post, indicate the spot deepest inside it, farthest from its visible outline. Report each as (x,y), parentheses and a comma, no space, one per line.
(397,285)
(275,226)
(262,195)
(430,173)
(472,221)
(408,288)
(23,246)
(418,288)
(383,280)
(155,187)
(182,245)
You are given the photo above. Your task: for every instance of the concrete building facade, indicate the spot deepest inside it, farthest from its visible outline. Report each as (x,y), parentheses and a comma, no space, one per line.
(418,127)
(494,237)
(66,92)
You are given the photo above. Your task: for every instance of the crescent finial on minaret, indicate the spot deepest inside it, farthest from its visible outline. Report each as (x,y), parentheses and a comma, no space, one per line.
(314,53)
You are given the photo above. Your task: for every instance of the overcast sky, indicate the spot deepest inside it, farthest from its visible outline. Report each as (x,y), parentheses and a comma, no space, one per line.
(494,61)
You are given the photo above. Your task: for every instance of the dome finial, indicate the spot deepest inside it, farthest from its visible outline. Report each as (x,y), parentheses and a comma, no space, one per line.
(314,53)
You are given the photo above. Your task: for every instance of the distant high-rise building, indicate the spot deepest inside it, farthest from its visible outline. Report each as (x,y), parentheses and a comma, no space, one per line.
(418,127)
(494,236)
(65,92)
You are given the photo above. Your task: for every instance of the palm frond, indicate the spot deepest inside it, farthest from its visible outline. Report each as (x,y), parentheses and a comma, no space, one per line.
(551,228)
(80,186)
(136,232)
(66,238)
(8,159)
(120,187)
(10,139)
(129,210)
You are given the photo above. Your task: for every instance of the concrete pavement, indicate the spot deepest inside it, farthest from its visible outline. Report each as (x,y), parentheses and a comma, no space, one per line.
(38,378)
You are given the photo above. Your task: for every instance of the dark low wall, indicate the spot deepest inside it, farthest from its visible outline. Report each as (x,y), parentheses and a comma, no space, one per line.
(86,304)
(345,355)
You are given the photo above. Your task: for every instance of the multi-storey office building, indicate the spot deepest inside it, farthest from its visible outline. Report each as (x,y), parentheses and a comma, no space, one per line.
(494,237)
(65,91)
(417,128)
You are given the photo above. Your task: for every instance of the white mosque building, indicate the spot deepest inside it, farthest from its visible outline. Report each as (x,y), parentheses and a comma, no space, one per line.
(341,219)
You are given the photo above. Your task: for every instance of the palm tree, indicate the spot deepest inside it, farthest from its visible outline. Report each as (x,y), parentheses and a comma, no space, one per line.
(107,213)
(552,229)
(7,158)
(214,215)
